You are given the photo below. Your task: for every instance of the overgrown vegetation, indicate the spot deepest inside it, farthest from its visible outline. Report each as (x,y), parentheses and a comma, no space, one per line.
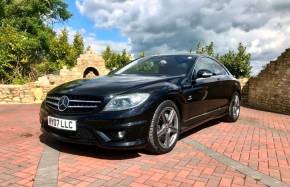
(237,62)
(114,60)
(28,45)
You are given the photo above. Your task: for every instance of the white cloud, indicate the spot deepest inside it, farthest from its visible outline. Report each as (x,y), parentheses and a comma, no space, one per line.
(174,25)
(100,45)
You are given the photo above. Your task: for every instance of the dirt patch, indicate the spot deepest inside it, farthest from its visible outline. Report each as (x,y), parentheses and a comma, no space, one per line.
(26,135)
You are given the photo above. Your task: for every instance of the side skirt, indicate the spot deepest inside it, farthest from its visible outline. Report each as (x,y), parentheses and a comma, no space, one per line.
(203,118)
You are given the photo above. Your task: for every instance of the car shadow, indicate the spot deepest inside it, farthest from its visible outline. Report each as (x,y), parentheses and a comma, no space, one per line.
(199,128)
(89,150)
(96,152)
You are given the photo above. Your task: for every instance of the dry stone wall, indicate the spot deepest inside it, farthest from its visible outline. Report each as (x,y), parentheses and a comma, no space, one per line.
(35,92)
(270,90)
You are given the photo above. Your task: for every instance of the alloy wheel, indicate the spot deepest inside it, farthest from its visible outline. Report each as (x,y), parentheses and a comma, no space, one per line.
(236,106)
(167,128)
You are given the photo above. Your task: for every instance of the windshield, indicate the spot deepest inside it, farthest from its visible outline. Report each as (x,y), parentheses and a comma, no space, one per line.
(159,65)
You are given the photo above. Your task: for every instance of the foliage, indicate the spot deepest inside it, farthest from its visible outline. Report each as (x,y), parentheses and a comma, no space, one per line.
(238,63)
(78,44)
(107,54)
(207,49)
(17,51)
(142,54)
(115,60)
(61,52)
(28,45)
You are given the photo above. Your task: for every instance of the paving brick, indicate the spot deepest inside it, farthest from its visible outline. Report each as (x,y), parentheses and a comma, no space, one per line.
(225,182)
(258,139)
(135,184)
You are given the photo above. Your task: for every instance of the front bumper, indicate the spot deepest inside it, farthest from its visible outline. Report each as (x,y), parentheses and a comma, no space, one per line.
(102,129)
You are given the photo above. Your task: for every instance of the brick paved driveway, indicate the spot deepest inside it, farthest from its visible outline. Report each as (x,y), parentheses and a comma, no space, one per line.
(206,156)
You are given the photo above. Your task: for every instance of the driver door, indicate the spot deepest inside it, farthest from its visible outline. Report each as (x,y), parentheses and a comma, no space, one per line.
(202,95)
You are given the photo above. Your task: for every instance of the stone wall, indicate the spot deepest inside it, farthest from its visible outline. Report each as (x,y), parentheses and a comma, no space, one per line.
(270,90)
(28,93)
(35,92)
(245,89)
(91,59)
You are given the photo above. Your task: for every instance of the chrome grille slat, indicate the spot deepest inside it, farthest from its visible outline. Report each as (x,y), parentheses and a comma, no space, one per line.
(77,104)
(82,106)
(53,98)
(52,103)
(84,101)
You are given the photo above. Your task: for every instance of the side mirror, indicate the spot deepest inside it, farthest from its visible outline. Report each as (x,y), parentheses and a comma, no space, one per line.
(204,73)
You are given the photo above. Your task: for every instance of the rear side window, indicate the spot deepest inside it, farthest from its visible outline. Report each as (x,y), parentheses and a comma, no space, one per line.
(211,65)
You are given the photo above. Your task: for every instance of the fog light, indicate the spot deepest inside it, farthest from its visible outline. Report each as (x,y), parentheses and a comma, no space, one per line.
(121,134)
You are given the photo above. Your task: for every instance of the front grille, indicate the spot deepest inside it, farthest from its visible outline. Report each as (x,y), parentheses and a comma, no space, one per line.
(77,104)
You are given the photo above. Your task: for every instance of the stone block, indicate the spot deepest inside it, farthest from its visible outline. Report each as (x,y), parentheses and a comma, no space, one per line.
(16,99)
(43,81)
(37,93)
(28,99)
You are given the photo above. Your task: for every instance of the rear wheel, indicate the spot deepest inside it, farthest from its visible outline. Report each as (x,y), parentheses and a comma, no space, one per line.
(164,128)
(234,108)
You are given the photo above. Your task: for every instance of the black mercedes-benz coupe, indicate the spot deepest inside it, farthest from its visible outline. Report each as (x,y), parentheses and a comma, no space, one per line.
(146,104)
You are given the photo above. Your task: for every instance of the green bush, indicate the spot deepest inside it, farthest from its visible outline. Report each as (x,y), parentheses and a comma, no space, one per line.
(115,60)
(28,45)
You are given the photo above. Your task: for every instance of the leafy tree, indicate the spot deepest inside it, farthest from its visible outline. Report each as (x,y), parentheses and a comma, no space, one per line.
(17,51)
(2,8)
(190,51)
(28,45)
(142,54)
(115,60)
(107,53)
(238,63)
(206,50)
(78,44)
(124,59)
(61,52)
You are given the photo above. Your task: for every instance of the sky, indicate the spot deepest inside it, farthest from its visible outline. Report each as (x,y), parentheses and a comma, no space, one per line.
(174,26)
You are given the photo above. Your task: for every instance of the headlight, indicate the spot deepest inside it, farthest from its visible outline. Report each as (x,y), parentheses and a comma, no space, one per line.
(123,102)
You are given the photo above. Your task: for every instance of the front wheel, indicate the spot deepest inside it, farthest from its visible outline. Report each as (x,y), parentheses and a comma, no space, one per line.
(234,108)
(164,128)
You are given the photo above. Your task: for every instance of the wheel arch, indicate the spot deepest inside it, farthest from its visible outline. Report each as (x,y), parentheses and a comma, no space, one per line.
(176,99)
(237,88)
(239,92)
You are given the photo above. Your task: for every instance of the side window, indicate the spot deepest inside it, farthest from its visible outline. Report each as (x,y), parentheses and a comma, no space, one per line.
(217,68)
(202,63)
(211,65)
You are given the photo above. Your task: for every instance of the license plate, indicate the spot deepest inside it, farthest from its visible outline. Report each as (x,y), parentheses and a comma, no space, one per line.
(65,124)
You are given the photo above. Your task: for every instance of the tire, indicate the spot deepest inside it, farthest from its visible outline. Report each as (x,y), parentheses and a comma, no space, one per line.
(234,108)
(161,128)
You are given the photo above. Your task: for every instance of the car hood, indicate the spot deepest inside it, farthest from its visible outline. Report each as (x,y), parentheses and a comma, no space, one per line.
(109,85)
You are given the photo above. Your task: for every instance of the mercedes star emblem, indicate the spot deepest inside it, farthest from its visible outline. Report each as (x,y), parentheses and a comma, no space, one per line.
(63,103)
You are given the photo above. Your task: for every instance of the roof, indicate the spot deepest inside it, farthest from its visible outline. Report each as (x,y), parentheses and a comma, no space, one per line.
(180,54)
